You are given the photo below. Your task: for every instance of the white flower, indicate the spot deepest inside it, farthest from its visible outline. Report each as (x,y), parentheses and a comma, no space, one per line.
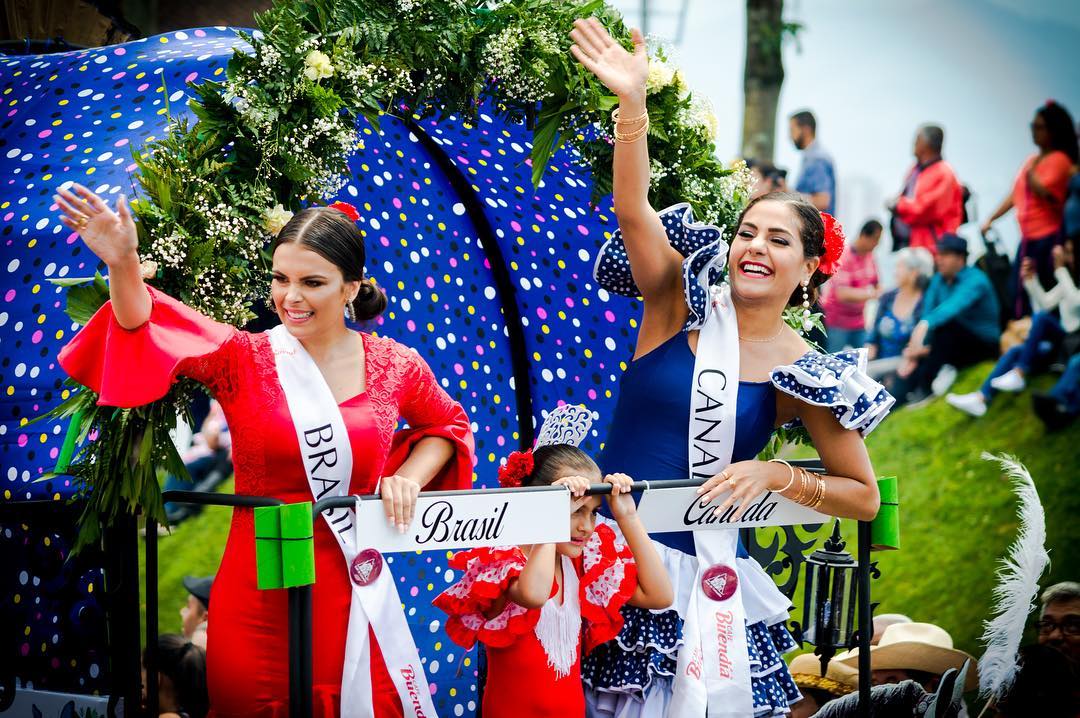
(317,66)
(660,76)
(276,218)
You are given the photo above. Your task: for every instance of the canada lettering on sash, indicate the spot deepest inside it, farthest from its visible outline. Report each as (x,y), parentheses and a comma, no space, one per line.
(709,415)
(366,567)
(440,525)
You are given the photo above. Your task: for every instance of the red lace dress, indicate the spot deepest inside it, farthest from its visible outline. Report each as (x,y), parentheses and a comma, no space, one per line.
(247,651)
(534,655)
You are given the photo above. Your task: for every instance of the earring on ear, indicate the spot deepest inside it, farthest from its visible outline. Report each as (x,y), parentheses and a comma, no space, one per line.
(350,311)
(806,323)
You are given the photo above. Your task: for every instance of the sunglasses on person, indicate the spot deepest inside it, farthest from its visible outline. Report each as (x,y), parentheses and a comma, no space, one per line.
(1069,627)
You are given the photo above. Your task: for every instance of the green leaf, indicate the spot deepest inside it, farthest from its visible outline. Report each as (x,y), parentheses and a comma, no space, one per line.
(84,300)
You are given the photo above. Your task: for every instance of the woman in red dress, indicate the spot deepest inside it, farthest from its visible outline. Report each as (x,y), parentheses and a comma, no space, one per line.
(136,345)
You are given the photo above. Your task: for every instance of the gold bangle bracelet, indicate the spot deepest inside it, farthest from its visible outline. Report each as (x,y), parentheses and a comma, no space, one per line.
(632,136)
(791,478)
(819,490)
(821,494)
(802,486)
(628,120)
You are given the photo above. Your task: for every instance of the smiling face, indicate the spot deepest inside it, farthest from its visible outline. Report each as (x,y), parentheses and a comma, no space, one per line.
(309,291)
(766,261)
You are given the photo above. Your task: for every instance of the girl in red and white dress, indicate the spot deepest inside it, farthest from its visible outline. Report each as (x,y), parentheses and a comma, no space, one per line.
(536,608)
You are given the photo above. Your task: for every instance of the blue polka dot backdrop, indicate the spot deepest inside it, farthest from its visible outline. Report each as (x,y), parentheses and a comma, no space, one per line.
(489,279)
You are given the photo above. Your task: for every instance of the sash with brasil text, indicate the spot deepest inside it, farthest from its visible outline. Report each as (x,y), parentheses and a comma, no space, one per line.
(328,461)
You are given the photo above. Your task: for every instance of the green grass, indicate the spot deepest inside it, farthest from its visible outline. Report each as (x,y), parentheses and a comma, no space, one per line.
(193,549)
(957,513)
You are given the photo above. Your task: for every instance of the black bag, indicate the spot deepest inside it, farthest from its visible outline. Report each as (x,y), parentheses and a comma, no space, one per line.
(998,268)
(900,231)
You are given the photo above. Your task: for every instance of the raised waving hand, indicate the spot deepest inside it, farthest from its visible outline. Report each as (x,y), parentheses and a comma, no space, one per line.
(112,237)
(622,72)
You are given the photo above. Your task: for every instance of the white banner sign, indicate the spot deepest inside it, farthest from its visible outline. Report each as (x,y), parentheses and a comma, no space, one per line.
(468,520)
(681,509)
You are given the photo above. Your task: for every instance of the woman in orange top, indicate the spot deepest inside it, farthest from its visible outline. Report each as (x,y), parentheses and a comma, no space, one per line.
(1039,197)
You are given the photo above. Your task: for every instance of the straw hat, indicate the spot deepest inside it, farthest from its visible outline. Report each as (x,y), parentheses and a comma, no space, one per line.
(915,647)
(839,680)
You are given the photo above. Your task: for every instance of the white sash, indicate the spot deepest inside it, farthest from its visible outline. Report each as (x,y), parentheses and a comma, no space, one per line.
(713,673)
(327,457)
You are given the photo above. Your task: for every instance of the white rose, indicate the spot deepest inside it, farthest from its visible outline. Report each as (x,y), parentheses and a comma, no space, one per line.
(276,218)
(660,76)
(317,66)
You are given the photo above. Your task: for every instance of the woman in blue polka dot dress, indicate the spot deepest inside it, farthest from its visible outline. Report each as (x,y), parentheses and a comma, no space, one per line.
(783,248)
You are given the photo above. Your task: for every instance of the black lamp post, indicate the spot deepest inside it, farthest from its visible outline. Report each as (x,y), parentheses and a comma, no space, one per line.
(830,593)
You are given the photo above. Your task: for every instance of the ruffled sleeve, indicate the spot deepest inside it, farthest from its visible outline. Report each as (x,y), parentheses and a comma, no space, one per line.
(701,245)
(486,576)
(608,581)
(430,411)
(133,367)
(840,382)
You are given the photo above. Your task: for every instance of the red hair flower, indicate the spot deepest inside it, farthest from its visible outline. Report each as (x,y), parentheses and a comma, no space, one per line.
(834,245)
(346,209)
(518,466)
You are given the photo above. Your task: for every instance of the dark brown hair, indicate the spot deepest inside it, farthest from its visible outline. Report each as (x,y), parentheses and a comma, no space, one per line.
(184,663)
(337,239)
(552,462)
(811,235)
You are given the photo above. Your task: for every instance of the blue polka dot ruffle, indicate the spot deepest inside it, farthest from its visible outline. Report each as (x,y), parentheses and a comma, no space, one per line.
(840,382)
(702,246)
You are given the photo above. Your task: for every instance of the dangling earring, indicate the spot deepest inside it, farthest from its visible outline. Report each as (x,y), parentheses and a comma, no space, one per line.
(350,311)
(806,323)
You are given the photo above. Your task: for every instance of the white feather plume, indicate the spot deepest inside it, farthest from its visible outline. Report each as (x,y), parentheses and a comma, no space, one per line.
(1018,584)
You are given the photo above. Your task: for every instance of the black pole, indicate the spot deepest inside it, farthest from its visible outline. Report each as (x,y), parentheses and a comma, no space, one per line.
(151,616)
(866,620)
(296,644)
(121,551)
(306,678)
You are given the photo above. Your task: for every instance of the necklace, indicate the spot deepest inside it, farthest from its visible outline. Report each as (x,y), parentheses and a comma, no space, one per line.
(764,341)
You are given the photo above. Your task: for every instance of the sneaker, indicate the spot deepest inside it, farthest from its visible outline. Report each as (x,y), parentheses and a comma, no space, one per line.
(1052,413)
(973,404)
(944,380)
(1010,381)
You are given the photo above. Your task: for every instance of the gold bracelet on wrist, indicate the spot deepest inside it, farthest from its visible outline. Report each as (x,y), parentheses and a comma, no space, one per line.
(802,486)
(791,478)
(627,120)
(633,136)
(814,492)
(821,494)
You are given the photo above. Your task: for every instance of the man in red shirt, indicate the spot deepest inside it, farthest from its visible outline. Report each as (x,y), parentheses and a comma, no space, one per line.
(931,204)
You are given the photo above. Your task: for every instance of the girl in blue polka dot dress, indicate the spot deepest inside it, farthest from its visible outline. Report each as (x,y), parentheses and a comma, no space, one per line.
(710,308)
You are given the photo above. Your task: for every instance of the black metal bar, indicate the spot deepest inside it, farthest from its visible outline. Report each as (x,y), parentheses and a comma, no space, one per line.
(866,620)
(296,644)
(121,552)
(212,499)
(306,676)
(151,616)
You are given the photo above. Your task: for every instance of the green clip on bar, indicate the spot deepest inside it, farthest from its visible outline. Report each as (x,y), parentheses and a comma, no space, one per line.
(284,546)
(885,528)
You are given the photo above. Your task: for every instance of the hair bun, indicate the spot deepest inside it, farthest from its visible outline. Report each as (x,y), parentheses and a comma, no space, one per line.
(370,301)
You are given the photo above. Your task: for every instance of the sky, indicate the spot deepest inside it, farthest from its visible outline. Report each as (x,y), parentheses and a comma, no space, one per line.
(872,71)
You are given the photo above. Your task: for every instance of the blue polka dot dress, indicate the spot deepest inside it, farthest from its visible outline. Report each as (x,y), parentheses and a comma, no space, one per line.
(631,676)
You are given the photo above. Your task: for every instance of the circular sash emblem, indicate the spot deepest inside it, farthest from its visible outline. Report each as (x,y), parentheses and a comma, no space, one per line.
(719,582)
(366,567)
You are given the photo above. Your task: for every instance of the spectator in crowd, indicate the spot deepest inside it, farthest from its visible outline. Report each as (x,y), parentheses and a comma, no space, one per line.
(1048,680)
(958,326)
(884,621)
(196,612)
(817,176)
(1059,619)
(850,288)
(208,461)
(816,689)
(767,177)
(931,203)
(898,311)
(1039,196)
(921,652)
(181,667)
(1048,333)
(1060,406)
